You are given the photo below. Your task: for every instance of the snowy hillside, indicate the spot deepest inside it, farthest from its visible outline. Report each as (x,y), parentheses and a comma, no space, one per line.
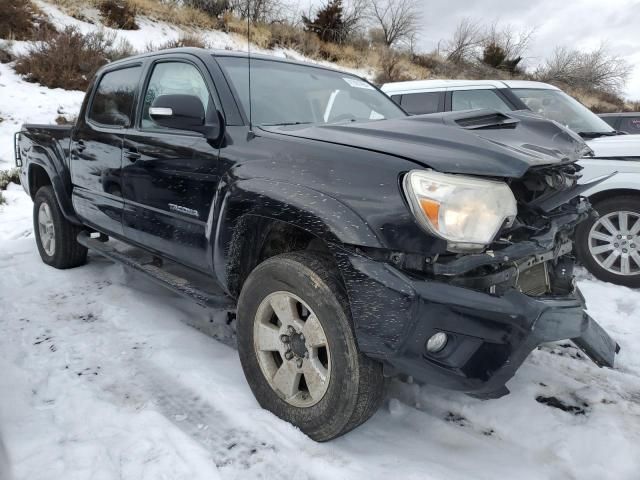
(103,378)
(24,102)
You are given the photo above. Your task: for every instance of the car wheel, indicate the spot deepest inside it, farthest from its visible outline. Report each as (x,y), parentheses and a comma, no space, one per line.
(298,350)
(55,235)
(609,246)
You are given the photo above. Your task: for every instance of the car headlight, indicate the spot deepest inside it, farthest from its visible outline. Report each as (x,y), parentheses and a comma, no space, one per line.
(467,212)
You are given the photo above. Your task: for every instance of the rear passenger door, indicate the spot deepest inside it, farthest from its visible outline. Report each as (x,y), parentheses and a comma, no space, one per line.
(170,176)
(96,148)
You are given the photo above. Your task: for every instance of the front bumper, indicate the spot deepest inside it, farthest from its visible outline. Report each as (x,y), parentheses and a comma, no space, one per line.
(490,336)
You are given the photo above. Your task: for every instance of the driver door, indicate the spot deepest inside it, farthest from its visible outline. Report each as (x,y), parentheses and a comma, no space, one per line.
(169,176)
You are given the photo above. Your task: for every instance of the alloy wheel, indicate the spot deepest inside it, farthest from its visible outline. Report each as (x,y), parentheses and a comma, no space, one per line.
(46,229)
(292,349)
(614,242)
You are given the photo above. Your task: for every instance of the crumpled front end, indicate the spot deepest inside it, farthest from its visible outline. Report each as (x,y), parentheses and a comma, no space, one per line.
(494,307)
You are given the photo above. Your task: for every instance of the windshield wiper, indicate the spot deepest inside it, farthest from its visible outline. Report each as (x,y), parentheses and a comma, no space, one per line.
(597,134)
(284,124)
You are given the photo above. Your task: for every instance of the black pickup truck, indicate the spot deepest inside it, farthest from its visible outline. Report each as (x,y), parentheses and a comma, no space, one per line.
(350,241)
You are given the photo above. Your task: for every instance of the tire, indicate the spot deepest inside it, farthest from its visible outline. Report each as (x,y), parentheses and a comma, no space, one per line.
(64,251)
(354,387)
(612,239)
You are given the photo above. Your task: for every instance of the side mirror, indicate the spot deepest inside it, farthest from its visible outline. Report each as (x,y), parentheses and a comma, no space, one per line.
(186,112)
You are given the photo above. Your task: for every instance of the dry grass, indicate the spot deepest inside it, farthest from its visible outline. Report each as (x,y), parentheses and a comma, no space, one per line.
(174,13)
(599,102)
(170,12)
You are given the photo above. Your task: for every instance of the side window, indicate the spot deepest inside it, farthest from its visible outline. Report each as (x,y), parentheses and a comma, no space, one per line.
(613,121)
(113,102)
(419,103)
(174,78)
(477,99)
(630,125)
(397,99)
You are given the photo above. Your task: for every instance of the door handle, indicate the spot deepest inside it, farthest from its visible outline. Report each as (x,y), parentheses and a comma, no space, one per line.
(132,154)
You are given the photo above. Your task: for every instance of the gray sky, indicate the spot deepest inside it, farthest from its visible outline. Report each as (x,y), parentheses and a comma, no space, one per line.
(579,24)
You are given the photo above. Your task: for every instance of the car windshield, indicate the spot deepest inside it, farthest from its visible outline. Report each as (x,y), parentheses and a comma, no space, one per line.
(289,94)
(557,105)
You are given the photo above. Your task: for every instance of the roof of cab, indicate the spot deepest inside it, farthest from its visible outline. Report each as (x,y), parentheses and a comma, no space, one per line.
(436,85)
(203,53)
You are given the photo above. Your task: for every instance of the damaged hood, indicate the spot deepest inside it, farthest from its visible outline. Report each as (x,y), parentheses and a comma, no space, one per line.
(479,142)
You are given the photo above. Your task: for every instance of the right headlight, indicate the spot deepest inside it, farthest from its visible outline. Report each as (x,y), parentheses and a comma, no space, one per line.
(467,212)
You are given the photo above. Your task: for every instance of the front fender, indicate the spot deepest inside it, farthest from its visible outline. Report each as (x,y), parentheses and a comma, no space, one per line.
(312,211)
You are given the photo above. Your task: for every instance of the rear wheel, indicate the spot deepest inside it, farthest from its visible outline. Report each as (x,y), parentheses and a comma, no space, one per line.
(55,235)
(298,349)
(609,246)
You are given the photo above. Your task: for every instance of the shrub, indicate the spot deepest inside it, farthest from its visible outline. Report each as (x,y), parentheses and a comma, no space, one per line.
(122,49)
(118,14)
(394,66)
(21,20)
(66,59)
(285,35)
(213,8)
(5,54)
(9,176)
(187,40)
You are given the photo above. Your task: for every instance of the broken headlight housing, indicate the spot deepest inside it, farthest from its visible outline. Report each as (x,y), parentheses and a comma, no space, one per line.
(467,212)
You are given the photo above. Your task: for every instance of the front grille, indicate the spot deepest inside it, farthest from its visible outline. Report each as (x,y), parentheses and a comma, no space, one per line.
(534,281)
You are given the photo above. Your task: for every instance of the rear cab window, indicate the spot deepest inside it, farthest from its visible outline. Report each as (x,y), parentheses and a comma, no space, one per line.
(113,102)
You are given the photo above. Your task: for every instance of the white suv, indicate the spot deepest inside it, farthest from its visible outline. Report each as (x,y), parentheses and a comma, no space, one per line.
(609,246)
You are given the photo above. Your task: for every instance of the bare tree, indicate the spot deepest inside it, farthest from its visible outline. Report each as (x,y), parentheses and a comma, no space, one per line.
(595,70)
(354,15)
(259,10)
(504,47)
(397,19)
(465,42)
(513,42)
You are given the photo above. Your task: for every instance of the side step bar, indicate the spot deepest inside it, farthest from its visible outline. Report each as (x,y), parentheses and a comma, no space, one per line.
(150,269)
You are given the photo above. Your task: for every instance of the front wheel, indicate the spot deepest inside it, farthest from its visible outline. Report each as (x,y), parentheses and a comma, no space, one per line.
(609,246)
(55,235)
(298,350)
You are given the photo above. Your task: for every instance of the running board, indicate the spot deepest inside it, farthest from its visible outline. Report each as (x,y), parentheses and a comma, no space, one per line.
(149,267)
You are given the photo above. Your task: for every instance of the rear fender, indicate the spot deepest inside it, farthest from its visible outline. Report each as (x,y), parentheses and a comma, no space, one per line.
(38,149)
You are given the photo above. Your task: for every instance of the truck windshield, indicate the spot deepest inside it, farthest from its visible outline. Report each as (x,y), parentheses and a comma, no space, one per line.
(557,105)
(289,94)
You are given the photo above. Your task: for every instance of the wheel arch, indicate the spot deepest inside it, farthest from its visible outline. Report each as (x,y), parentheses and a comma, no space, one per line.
(259,218)
(616,192)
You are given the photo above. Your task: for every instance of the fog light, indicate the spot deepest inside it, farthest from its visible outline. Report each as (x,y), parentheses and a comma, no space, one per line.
(437,342)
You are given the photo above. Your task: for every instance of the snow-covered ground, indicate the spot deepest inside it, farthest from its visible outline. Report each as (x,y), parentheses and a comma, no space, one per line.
(102,378)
